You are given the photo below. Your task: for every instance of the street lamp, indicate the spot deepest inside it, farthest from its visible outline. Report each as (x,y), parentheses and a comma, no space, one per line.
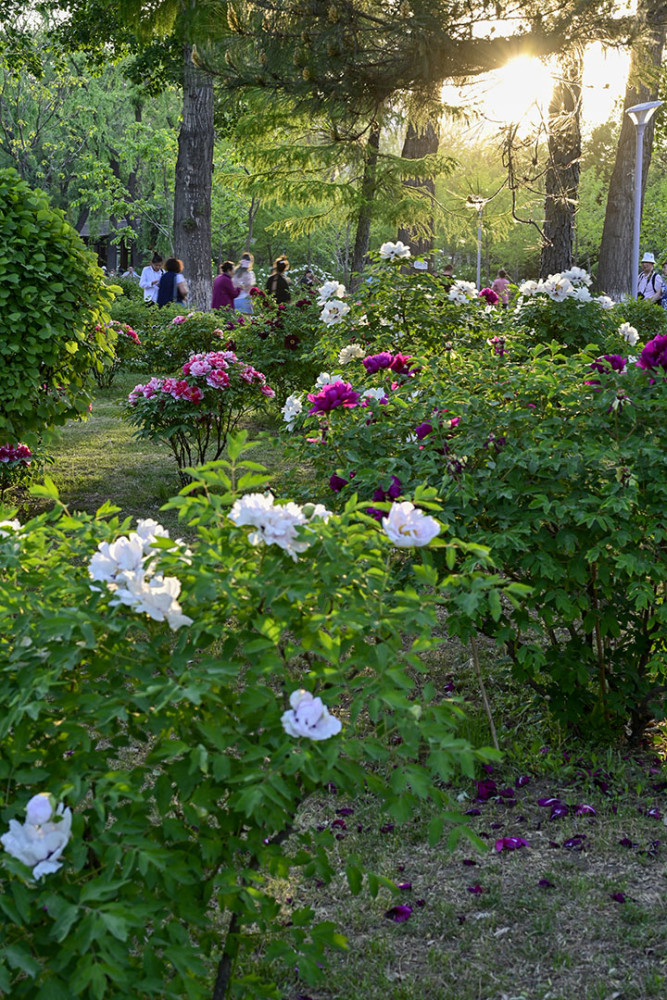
(641,115)
(476,202)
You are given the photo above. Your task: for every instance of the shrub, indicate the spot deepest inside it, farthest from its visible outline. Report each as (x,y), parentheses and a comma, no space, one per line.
(125,352)
(168,738)
(52,295)
(196,410)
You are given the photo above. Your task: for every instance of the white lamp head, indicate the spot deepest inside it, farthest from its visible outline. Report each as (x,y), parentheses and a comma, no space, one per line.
(641,114)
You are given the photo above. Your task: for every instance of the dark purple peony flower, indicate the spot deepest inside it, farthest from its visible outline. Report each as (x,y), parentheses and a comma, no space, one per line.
(392,493)
(336,483)
(400,364)
(423,429)
(608,363)
(486,789)
(654,355)
(332,396)
(375,362)
(399,914)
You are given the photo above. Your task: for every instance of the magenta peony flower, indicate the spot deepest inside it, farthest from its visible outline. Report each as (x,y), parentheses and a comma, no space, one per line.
(489,295)
(332,396)
(375,362)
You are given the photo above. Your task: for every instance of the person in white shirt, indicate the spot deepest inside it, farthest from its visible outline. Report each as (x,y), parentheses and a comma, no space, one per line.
(150,279)
(649,285)
(130,273)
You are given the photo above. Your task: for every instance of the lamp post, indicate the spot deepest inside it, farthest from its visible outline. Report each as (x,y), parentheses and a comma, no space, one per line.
(477,203)
(641,115)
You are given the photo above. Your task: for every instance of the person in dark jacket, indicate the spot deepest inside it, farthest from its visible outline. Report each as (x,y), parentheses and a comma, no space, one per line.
(172,287)
(224,289)
(278,284)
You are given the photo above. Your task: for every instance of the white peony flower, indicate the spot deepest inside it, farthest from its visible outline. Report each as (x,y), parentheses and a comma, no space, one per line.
(528,288)
(14,525)
(39,844)
(557,287)
(605,302)
(291,410)
(407,527)
(420,265)
(333,312)
(113,558)
(577,274)
(276,524)
(629,334)
(324,378)
(351,352)
(374,394)
(394,251)
(156,597)
(581,293)
(147,529)
(462,292)
(309,717)
(329,290)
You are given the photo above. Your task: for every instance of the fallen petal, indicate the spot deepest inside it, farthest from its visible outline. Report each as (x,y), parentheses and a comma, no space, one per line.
(584,810)
(544,883)
(399,914)
(618,897)
(475,889)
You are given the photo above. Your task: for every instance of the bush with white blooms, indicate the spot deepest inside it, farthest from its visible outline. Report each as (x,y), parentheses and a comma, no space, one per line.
(162,744)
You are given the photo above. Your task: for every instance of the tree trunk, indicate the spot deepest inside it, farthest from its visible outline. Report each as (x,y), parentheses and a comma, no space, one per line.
(367,194)
(194,173)
(562,177)
(615,269)
(420,141)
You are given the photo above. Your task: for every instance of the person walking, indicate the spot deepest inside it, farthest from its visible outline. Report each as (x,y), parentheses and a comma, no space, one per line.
(278,284)
(649,285)
(244,277)
(173,286)
(225,292)
(501,287)
(150,279)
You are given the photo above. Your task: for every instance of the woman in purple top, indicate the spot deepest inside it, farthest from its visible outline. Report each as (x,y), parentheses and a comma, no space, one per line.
(224,289)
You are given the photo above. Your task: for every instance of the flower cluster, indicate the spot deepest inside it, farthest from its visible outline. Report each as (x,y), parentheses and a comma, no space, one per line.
(571,284)
(276,524)
(489,295)
(462,292)
(181,319)
(398,363)
(127,566)
(394,251)
(214,369)
(654,355)
(629,334)
(309,717)
(15,453)
(40,841)
(407,527)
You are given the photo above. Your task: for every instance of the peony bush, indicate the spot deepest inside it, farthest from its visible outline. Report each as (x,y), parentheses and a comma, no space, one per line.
(161,769)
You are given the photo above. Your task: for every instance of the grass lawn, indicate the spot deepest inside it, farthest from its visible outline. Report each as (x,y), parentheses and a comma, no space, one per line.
(579,913)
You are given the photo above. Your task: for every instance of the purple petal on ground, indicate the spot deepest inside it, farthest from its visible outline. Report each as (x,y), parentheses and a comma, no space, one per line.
(553,843)
(507,793)
(469,862)
(626,842)
(575,843)
(333,789)
(475,889)
(544,883)
(400,868)
(461,919)
(488,768)
(399,914)
(545,749)
(510,843)
(584,810)
(558,811)
(340,836)
(340,824)
(618,897)
(404,886)
(420,903)
(344,812)
(387,828)
(551,801)
(522,781)
(472,812)
(360,828)
(654,813)
(497,826)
